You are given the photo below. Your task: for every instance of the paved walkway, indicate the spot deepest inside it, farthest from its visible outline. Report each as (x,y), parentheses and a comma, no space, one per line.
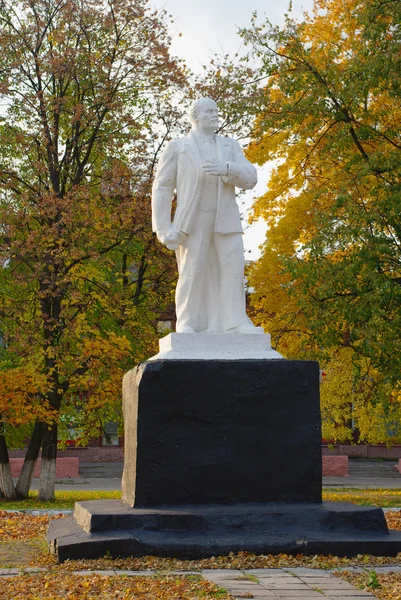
(294,584)
(262,584)
(364,474)
(84,484)
(114,483)
(362,483)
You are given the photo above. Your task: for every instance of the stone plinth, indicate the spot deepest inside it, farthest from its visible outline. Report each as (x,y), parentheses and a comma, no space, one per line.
(216,346)
(222,431)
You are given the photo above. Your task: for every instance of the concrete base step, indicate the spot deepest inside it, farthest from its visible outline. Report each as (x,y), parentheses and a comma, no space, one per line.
(101,470)
(373,468)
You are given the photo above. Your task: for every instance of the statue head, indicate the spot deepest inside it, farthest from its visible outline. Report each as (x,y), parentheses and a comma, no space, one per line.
(204,115)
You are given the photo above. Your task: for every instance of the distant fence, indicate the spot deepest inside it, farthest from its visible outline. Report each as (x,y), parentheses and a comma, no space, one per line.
(65,467)
(335,466)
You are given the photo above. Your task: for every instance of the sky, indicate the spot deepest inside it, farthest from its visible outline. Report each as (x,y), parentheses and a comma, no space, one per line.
(211,26)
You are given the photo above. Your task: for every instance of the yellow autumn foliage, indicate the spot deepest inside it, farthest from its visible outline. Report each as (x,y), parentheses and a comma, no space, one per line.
(326,285)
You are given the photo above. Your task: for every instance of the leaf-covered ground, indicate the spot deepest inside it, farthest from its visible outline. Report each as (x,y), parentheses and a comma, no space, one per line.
(20,526)
(22,545)
(22,535)
(386,586)
(56,586)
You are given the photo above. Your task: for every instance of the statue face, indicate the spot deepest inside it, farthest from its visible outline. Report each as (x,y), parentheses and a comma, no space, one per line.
(208,114)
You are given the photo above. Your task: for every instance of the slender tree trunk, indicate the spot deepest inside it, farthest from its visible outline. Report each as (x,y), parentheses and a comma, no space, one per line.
(24,481)
(51,310)
(6,480)
(49,456)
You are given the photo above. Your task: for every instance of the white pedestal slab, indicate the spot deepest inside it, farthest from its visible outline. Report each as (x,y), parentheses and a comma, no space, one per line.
(220,346)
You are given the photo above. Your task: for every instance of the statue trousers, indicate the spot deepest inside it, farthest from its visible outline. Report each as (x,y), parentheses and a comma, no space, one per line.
(210,294)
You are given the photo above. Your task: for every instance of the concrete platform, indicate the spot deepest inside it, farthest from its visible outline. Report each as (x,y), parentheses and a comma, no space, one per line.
(193,532)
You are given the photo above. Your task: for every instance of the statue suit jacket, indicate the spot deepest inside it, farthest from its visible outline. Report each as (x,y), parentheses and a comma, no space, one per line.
(180,170)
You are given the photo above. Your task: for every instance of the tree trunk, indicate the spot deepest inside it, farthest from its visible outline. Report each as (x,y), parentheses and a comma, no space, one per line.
(48,470)
(6,480)
(24,481)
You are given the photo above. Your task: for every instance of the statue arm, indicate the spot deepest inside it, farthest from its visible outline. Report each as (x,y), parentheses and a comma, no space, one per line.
(163,189)
(241,172)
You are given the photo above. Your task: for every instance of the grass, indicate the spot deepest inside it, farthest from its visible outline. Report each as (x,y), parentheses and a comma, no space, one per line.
(65,500)
(386,498)
(248,577)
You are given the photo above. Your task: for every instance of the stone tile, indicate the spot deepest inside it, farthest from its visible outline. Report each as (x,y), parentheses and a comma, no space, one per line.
(207,572)
(279,580)
(259,594)
(232,582)
(290,585)
(9,572)
(304,593)
(328,577)
(312,596)
(241,577)
(348,597)
(332,586)
(240,585)
(306,571)
(267,572)
(326,581)
(242,590)
(354,592)
(266,596)
(355,569)
(385,569)
(284,579)
(227,577)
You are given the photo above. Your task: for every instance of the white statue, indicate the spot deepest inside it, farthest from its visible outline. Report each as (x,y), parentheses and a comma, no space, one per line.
(203,169)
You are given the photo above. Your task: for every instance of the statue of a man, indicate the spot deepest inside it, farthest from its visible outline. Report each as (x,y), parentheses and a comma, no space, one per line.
(204,169)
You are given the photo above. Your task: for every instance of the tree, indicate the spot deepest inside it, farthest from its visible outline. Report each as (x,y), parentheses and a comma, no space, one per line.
(81,128)
(329,278)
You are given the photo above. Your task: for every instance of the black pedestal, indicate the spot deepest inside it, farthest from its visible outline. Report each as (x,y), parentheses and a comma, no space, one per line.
(222,431)
(221,456)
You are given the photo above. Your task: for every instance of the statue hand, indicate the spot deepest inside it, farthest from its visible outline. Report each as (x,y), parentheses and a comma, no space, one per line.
(162,235)
(215,167)
(174,238)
